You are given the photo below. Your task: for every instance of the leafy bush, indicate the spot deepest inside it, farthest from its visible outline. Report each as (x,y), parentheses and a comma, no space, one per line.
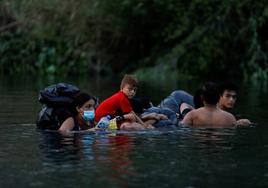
(196,37)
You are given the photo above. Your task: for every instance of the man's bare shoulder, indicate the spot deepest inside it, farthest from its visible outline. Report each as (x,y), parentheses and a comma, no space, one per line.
(227,114)
(229,117)
(196,112)
(199,110)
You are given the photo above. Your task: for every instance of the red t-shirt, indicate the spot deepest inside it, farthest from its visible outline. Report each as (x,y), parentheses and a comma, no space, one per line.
(117,104)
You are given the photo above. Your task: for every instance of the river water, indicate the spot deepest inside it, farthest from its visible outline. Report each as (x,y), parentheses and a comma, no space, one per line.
(181,157)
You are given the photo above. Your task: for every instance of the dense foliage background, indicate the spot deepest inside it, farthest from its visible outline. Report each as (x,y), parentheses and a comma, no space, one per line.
(194,38)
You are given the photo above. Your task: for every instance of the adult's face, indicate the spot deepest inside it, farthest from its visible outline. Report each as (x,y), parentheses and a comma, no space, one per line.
(89,105)
(227,99)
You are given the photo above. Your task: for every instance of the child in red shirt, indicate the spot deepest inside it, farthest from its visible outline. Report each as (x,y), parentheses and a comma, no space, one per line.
(118,105)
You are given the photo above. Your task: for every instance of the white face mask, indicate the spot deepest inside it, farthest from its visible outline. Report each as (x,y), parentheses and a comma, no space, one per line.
(88,115)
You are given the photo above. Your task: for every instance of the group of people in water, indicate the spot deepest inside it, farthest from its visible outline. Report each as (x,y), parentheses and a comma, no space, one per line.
(211,106)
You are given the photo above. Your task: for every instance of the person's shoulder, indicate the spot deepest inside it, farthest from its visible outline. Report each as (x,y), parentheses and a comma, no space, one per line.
(120,93)
(199,110)
(121,96)
(226,113)
(228,116)
(195,112)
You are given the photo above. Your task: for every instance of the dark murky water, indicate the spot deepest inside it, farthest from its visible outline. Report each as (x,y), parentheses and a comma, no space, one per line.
(182,157)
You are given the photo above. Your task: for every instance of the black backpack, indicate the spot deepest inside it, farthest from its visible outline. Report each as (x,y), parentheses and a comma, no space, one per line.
(60,94)
(58,97)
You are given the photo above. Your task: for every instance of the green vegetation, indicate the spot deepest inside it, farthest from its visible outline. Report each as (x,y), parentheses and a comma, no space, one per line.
(198,37)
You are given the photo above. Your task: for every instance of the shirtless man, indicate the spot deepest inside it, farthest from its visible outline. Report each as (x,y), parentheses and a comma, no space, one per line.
(228,96)
(210,115)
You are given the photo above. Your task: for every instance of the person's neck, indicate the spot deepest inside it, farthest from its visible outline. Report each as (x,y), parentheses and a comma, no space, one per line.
(210,106)
(222,107)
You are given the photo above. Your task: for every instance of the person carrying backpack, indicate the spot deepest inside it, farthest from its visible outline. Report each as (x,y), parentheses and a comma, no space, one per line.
(66,109)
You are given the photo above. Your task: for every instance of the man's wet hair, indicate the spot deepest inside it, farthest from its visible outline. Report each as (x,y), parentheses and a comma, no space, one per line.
(198,98)
(227,86)
(210,93)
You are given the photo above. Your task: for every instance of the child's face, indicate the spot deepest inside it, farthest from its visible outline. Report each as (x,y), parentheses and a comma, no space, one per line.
(129,90)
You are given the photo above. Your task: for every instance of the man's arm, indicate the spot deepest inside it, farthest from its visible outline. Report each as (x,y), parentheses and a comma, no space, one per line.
(133,117)
(138,120)
(243,122)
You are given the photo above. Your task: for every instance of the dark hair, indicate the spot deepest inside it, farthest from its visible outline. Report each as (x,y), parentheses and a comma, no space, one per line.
(198,98)
(210,93)
(81,98)
(227,86)
(140,103)
(129,79)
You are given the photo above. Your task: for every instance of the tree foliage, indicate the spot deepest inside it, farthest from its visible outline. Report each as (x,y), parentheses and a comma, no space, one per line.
(198,37)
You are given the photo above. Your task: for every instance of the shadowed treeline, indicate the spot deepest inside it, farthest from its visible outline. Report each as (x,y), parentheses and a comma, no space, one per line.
(103,36)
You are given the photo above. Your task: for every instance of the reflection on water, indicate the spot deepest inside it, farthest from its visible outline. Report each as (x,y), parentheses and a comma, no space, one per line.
(181,157)
(104,157)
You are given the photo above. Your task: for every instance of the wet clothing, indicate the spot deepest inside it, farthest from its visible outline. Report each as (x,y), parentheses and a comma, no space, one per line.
(174,101)
(172,118)
(169,107)
(116,105)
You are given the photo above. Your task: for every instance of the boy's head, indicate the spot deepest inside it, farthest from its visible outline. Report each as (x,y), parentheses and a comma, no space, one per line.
(228,95)
(129,85)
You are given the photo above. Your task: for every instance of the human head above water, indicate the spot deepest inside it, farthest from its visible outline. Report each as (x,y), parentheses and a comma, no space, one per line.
(85,101)
(129,85)
(227,86)
(228,95)
(210,93)
(130,80)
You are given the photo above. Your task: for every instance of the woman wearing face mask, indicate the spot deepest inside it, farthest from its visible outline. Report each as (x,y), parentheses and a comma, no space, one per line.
(83,116)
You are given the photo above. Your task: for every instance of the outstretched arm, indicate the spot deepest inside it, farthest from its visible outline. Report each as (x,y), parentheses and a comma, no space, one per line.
(243,122)
(138,119)
(133,117)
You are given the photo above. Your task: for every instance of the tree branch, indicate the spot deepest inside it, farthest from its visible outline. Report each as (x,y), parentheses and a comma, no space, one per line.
(9,26)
